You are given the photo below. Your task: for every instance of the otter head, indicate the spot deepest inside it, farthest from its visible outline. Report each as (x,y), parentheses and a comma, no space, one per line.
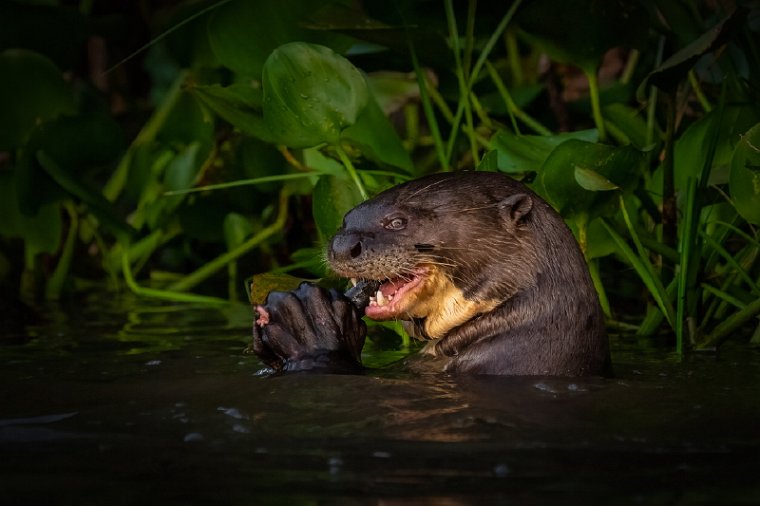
(446,248)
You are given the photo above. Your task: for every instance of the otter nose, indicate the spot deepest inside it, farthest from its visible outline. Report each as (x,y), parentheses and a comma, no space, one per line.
(345,247)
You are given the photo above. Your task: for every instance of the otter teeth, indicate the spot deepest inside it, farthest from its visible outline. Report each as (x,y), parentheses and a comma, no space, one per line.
(353,281)
(380,300)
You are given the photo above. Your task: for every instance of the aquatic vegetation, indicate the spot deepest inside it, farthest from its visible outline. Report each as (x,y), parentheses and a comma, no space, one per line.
(255,126)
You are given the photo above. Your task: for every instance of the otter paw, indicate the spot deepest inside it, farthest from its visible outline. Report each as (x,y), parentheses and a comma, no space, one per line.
(309,328)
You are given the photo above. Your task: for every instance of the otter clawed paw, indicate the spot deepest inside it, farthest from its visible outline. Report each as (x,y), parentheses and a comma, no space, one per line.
(309,328)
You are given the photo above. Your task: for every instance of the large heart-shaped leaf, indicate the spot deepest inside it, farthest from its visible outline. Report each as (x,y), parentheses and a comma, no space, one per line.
(32,91)
(577,176)
(745,175)
(526,153)
(311,94)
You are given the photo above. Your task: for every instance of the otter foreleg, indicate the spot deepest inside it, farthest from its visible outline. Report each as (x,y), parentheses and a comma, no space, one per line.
(309,328)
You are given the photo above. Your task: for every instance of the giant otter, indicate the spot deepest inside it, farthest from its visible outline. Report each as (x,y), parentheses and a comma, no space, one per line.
(474,262)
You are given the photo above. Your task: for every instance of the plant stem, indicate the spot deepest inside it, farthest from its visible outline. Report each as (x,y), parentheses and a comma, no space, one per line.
(688,246)
(427,108)
(55,283)
(653,94)
(118,179)
(469,37)
(731,260)
(439,101)
(154,293)
(512,107)
(723,295)
(630,66)
(219,262)
(669,205)
(351,171)
(492,41)
(736,320)
(593,89)
(642,265)
(593,269)
(698,92)
(513,55)
(464,90)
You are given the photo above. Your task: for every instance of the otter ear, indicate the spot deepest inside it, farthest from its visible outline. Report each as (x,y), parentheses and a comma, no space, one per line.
(516,206)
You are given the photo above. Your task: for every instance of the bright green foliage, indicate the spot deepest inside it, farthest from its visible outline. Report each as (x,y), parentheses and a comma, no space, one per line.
(527,153)
(311,94)
(333,197)
(693,145)
(577,176)
(745,175)
(232,144)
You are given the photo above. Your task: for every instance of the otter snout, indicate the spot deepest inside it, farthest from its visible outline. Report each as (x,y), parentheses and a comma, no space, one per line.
(344,247)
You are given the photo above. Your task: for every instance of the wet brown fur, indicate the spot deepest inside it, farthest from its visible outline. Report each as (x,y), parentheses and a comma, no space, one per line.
(510,291)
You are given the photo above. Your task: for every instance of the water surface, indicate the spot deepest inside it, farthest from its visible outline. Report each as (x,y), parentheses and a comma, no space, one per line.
(120,401)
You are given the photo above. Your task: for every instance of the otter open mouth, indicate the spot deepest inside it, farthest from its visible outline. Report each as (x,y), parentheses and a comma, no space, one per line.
(395,296)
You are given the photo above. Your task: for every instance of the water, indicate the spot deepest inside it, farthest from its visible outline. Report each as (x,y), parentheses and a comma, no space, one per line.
(121,401)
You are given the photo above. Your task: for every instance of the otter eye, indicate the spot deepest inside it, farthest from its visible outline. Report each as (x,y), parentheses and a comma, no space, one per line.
(395,223)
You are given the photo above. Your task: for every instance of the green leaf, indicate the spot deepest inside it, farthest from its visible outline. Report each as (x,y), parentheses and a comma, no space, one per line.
(237,228)
(311,94)
(242,34)
(675,68)
(32,91)
(183,169)
(333,197)
(77,143)
(187,122)
(628,122)
(97,204)
(581,31)
(593,181)
(646,272)
(599,243)
(601,167)
(375,137)
(41,232)
(489,162)
(315,159)
(257,159)
(745,175)
(311,260)
(526,153)
(692,146)
(262,284)
(239,104)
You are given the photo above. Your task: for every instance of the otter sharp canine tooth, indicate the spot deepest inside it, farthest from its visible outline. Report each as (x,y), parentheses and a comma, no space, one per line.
(381,301)
(353,281)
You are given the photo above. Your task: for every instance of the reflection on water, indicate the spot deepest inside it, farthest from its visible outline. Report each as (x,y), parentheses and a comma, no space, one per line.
(122,401)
